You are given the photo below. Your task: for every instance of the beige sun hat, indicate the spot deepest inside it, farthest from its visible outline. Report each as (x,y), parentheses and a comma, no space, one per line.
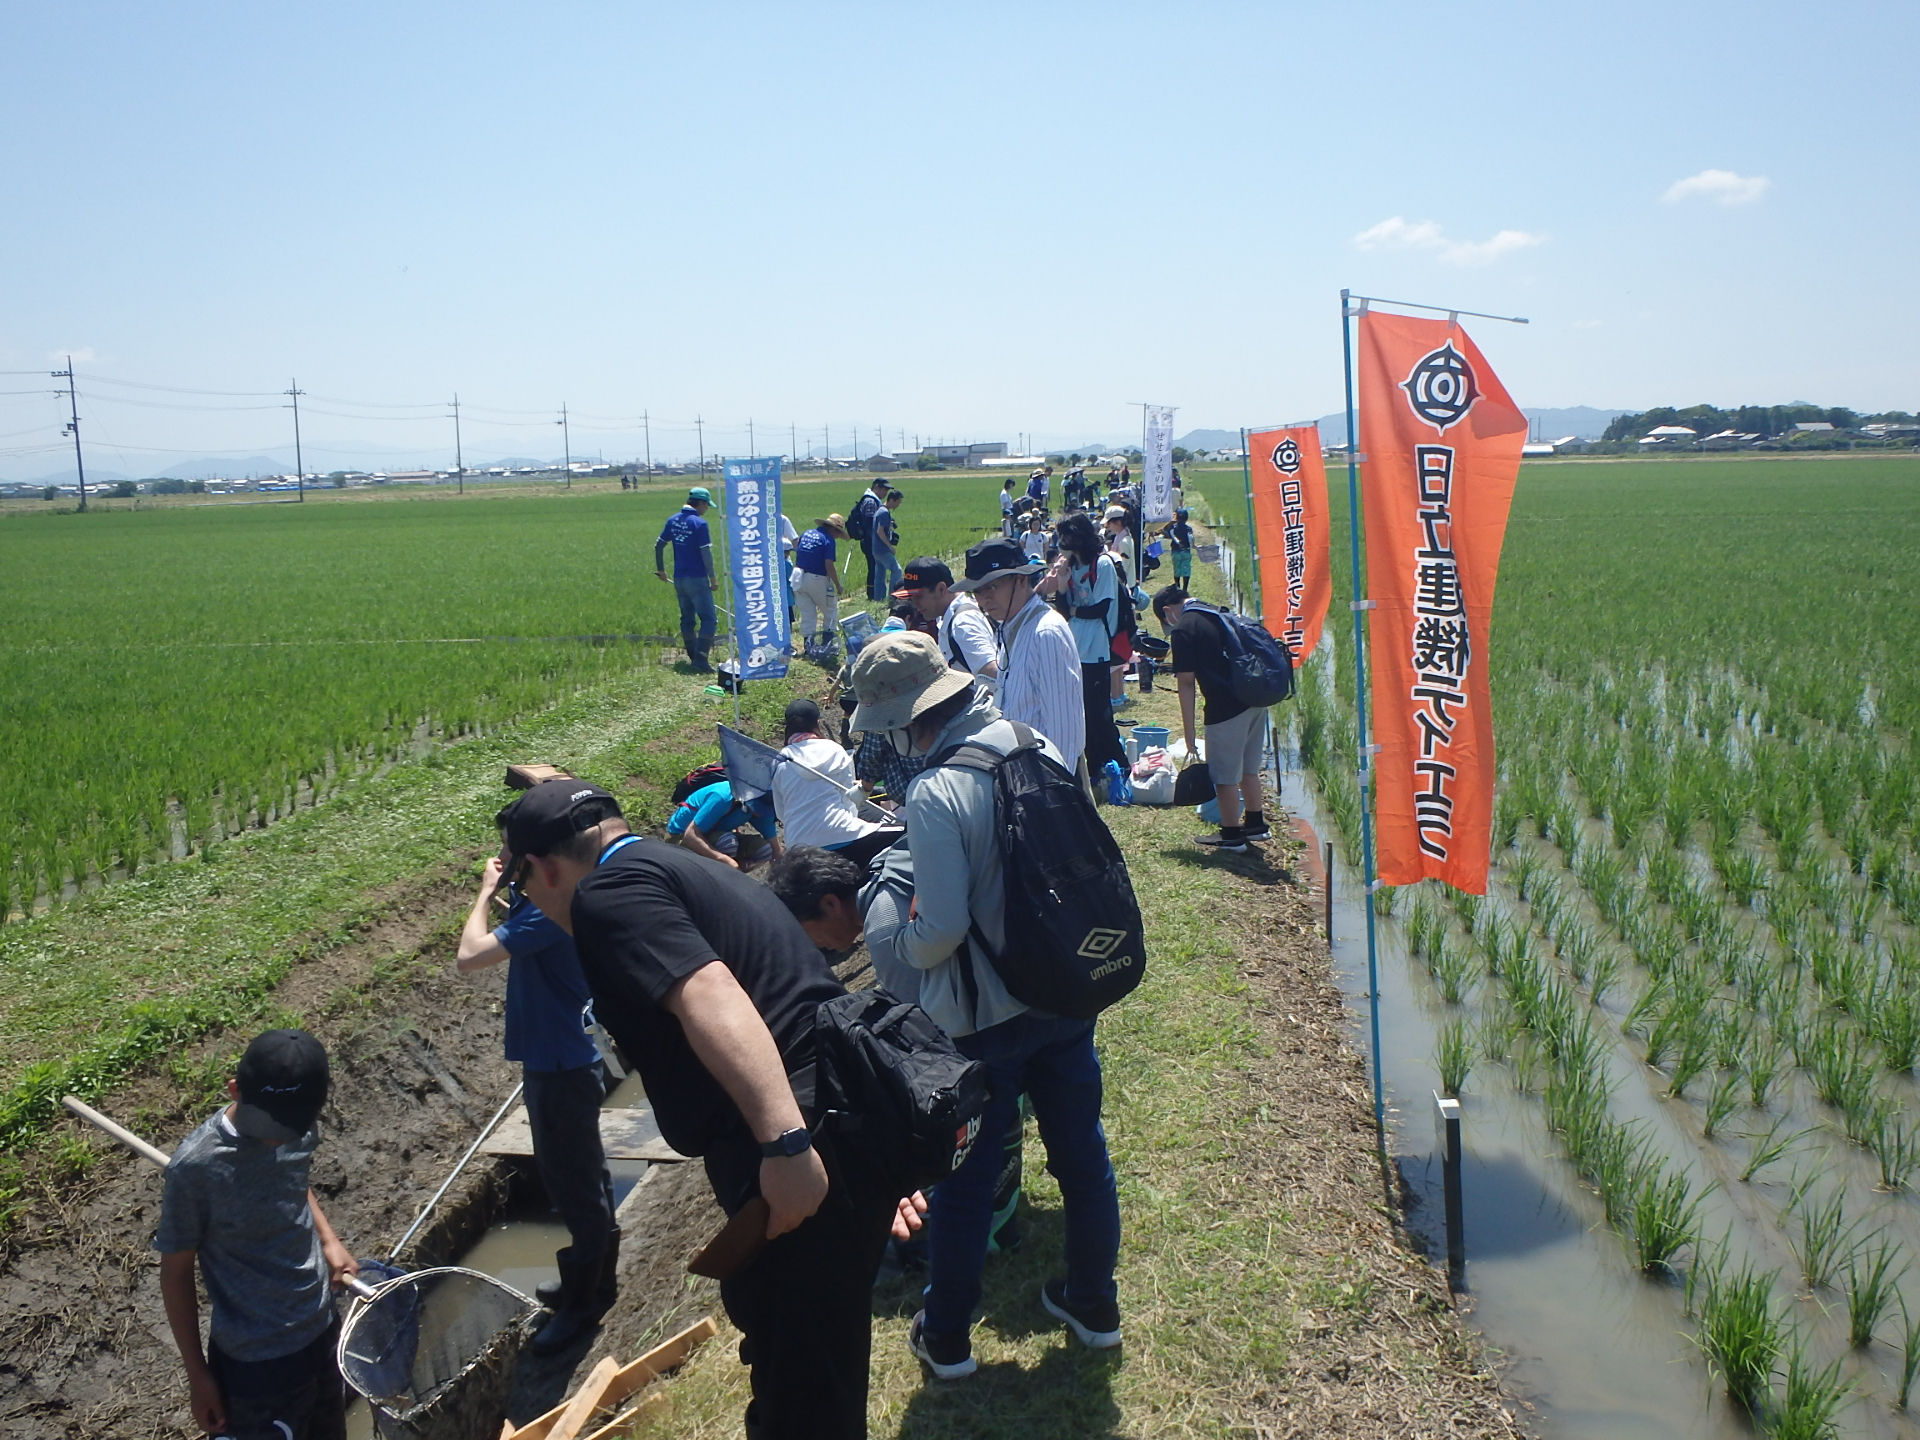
(899,676)
(835,523)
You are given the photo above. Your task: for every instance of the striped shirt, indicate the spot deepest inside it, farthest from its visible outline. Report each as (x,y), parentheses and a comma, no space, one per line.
(1040,678)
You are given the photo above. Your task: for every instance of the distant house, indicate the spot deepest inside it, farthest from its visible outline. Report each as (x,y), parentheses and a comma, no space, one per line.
(1729,440)
(1669,435)
(1891,430)
(1812,427)
(966,456)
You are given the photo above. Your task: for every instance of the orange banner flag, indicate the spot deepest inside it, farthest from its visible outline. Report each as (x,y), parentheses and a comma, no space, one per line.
(1290,530)
(1441,440)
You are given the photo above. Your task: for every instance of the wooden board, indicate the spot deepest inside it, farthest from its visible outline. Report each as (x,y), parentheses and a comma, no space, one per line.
(625,1382)
(629,1134)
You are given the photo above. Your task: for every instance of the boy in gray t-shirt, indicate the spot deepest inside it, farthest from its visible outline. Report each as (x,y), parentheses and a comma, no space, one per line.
(237,1202)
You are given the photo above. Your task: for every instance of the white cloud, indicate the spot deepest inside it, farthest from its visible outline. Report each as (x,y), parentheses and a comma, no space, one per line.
(1721,186)
(1396,233)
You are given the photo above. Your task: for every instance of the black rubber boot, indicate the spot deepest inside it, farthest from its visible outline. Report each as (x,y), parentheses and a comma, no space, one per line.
(578,1311)
(547,1292)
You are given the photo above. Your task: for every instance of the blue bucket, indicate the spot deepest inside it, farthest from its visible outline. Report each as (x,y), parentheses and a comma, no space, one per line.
(1149,736)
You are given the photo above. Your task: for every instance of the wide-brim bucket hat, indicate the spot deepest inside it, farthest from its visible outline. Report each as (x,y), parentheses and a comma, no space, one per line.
(898,677)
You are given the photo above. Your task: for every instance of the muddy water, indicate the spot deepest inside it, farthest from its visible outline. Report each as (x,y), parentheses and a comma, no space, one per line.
(1600,1351)
(519,1246)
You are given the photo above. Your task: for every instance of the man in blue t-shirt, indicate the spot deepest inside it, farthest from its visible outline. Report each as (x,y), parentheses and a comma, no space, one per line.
(548,1011)
(695,576)
(704,822)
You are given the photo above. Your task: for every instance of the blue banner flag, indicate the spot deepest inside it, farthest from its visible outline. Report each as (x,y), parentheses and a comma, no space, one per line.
(750,763)
(753,545)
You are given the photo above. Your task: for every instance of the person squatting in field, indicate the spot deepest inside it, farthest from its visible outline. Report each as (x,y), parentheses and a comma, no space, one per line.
(239,1205)
(712,989)
(695,576)
(925,707)
(548,1012)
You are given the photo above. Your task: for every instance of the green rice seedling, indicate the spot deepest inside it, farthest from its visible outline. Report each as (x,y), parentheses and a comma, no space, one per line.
(1602,971)
(1693,1052)
(1909,1355)
(1763,1061)
(1525,870)
(1903,890)
(1824,1238)
(1666,872)
(1836,1062)
(1453,1056)
(1708,1265)
(1770,1146)
(1857,841)
(1722,1100)
(1811,1400)
(1547,903)
(1563,826)
(1883,863)
(1740,1334)
(1678,809)
(1861,912)
(1742,872)
(1497,1030)
(1664,1216)
(1646,1008)
(1451,968)
(1466,906)
(1842,972)
(1507,814)
(1422,925)
(1792,842)
(1894,1145)
(1873,1284)
(1524,1060)
(1384,899)
(1615,1154)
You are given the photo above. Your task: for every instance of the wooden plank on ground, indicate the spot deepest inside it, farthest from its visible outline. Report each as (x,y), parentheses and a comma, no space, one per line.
(624,1425)
(626,1381)
(586,1402)
(626,1134)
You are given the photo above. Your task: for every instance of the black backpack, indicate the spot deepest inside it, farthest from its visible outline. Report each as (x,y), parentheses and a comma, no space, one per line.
(1259,667)
(1074,939)
(697,779)
(888,1072)
(860,522)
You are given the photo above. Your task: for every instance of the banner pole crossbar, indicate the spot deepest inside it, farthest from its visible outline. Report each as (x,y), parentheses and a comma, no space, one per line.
(1437,309)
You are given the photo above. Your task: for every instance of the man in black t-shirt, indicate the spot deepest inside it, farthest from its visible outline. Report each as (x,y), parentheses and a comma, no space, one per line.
(1236,736)
(710,987)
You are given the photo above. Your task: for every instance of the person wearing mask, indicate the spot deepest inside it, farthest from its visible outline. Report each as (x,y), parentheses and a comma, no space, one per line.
(928,708)
(816,584)
(961,631)
(1090,580)
(816,795)
(1039,665)
(695,577)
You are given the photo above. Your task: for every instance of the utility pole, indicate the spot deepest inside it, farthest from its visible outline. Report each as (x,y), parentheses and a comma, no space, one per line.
(566,443)
(299,464)
(700,435)
(459,460)
(73,429)
(750,447)
(829,435)
(793,443)
(646,426)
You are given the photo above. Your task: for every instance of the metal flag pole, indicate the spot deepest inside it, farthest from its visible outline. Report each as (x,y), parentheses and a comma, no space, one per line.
(1348,312)
(1253,532)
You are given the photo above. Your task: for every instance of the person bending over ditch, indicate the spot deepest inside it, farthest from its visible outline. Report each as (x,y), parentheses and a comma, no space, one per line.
(710,986)
(548,1011)
(1236,735)
(237,1202)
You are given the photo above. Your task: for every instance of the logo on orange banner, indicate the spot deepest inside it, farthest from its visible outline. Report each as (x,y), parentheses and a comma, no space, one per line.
(1442,440)
(1290,520)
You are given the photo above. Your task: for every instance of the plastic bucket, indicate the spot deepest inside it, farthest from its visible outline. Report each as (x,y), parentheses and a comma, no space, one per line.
(1151,735)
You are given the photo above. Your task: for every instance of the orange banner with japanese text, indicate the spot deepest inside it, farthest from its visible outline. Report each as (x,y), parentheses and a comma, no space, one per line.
(1289,484)
(1440,440)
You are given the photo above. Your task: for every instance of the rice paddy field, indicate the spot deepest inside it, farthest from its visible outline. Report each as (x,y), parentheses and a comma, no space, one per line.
(170,675)
(1700,957)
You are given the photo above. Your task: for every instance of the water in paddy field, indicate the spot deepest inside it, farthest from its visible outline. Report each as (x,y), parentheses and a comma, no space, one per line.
(1598,1350)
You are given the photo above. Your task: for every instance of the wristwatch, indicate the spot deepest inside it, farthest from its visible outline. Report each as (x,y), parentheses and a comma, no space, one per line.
(787,1144)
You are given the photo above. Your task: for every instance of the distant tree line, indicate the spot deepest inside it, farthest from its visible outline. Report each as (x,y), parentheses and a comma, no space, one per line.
(1766,421)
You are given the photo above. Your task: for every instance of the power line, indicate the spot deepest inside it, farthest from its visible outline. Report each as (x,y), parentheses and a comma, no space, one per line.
(299,463)
(73,429)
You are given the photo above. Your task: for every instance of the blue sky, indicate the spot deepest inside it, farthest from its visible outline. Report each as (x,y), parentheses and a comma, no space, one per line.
(967,221)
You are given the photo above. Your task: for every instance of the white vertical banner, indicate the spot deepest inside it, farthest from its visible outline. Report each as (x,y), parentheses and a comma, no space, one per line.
(1157,496)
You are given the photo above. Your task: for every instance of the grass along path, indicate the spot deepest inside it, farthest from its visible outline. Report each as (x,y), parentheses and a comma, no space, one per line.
(1263,1288)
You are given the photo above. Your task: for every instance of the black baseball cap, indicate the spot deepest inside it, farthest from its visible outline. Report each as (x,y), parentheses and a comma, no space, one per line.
(990,559)
(549,815)
(923,572)
(802,717)
(282,1080)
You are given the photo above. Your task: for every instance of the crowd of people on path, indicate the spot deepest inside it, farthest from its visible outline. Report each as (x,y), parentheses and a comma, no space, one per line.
(703,958)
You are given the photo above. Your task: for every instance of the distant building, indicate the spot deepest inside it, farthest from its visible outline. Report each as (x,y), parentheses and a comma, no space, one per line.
(1669,435)
(967,456)
(1812,427)
(1729,440)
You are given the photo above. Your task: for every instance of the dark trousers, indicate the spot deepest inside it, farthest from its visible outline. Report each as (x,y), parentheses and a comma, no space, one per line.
(875,574)
(804,1303)
(563,1111)
(1103,740)
(300,1395)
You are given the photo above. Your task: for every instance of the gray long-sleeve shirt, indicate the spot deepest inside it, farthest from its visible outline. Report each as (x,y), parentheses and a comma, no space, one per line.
(958,878)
